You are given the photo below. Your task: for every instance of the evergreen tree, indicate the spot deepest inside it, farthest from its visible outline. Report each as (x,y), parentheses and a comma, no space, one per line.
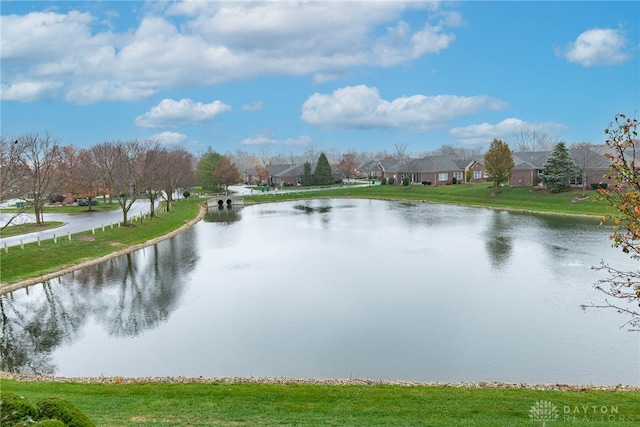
(204,169)
(558,169)
(307,175)
(498,162)
(323,175)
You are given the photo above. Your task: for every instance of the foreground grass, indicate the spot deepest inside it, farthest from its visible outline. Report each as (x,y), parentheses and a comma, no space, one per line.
(30,227)
(197,404)
(517,198)
(34,260)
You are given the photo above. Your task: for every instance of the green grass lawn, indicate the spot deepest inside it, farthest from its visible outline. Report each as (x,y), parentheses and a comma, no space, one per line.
(246,404)
(34,260)
(575,202)
(31,227)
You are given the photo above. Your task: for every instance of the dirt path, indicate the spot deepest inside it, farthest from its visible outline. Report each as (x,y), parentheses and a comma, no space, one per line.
(32,281)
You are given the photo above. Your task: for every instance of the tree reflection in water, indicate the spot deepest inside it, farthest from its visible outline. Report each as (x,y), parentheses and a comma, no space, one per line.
(223,214)
(127,295)
(498,240)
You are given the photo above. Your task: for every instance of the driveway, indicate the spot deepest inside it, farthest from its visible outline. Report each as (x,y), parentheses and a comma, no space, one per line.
(73,223)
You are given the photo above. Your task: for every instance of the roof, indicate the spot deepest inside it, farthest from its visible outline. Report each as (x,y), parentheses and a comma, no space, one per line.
(530,160)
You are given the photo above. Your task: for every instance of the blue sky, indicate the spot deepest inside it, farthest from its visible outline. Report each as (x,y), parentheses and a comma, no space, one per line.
(281,77)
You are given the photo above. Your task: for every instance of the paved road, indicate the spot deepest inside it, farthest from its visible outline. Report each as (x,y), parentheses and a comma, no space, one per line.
(84,222)
(73,223)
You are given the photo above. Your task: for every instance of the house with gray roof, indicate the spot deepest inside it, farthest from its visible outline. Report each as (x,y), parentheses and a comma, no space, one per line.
(592,167)
(291,175)
(436,170)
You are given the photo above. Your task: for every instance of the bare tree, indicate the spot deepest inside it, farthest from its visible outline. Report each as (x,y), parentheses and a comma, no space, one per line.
(447,150)
(13,176)
(403,159)
(584,159)
(532,140)
(41,161)
(119,163)
(149,180)
(175,171)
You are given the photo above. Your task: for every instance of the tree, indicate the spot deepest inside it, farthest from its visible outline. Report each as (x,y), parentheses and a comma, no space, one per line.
(204,169)
(41,161)
(261,171)
(585,158)
(498,162)
(84,174)
(558,169)
(624,197)
(152,165)
(307,174)
(13,176)
(348,165)
(176,172)
(323,174)
(225,174)
(120,164)
(531,140)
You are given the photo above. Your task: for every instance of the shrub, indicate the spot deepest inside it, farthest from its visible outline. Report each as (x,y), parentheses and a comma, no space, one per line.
(15,408)
(597,185)
(186,194)
(391,181)
(56,198)
(405,181)
(65,411)
(454,180)
(383,181)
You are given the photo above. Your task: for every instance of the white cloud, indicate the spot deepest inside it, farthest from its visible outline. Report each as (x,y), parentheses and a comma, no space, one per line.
(27,91)
(170,113)
(268,138)
(362,107)
(195,44)
(504,130)
(170,138)
(598,46)
(253,106)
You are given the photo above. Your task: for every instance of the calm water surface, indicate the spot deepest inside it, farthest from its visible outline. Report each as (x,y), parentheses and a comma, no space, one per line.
(338,288)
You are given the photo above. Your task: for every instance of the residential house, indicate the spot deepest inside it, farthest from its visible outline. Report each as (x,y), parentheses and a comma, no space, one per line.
(371,169)
(528,167)
(592,167)
(291,175)
(281,174)
(436,170)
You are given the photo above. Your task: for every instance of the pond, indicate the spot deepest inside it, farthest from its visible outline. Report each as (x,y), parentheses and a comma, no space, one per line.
(338,289)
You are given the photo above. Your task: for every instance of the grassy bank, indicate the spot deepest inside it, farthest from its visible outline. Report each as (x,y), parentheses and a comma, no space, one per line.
(575,202)
(226,404)
(34,260)
(31,227)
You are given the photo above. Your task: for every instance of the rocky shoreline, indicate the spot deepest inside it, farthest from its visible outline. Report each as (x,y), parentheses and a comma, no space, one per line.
(311,381)
(5,289)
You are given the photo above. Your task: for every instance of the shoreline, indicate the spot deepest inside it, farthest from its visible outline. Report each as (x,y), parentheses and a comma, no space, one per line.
(287,381)
(8,288)
(281,380)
